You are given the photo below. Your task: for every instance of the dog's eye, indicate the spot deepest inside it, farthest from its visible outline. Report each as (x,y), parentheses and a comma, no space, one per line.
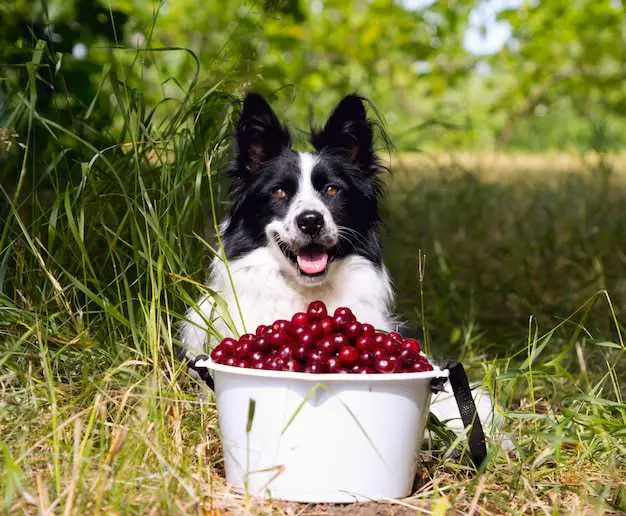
(332,190)
(279,193)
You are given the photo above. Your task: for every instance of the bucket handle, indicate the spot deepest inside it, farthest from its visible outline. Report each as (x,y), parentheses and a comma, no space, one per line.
(460,388)
(467,408)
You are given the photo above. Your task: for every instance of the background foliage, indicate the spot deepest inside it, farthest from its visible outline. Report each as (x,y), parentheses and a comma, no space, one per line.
(114,128)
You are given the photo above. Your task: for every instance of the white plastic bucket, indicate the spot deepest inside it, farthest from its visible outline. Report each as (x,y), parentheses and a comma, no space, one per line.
(321,438)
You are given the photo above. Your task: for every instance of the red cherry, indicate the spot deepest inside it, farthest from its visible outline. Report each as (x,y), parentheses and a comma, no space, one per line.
(261,344)
(314,368)
(282,325)
(367,330)
(365,343)
(315,355)
(219,354)
(395,335)
(348,356)
(231,361)
(292,365)
(243,350)
(256,356)
(327,345)
(257,364)
(424,364)
(384,365)
(301,353)
(316,311)
(340,322)
(286,352)
(299,319)
(391,345)
(332,365)
(408,357)
(247,337)
(316,330)
(353,330)
(326,324)
(339,340)
(356,369)
(229,345)
(306,339)
(413,344)
(276,338)
(380,354)
(379,338)
(344,311)
(366,358)
(397,365)
(261,329)
(242,363)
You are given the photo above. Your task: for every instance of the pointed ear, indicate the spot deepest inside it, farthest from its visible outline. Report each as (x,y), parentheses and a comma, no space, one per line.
(348,132)
(260,135)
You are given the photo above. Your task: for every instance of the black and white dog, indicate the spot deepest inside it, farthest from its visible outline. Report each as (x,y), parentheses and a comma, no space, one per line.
(302,226)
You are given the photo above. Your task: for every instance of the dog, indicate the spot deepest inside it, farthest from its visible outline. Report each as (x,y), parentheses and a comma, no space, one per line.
(303,226)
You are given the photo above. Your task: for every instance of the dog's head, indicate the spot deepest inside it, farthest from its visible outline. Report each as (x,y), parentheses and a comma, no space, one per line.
(309,208)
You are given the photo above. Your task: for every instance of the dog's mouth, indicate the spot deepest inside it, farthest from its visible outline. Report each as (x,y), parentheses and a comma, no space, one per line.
(311,260)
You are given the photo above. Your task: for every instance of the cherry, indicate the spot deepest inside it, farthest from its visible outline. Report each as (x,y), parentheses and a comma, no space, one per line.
(367,330)
(391,345)
(413,344)
(231,361)
(316,329)
(276,338)
(366,358)
(282,325)
(299,319)
(256,356)
(229,345)
(257,365)
(315,355)
(286,352)
(340,322)
(365,343)
(353,330)
(379,338)
(219,354)
(408,357)
(380,353)
(261,344)
(301,353)
(384,365)
(242,363)
(332,365)
(395,336)
(292,365)
(247,337)
(348,356)
(327,345)
(316,311)
(339,340)
(306,339)
(326,324)
(314,368)
(344,311)
(244,350)
(261,329)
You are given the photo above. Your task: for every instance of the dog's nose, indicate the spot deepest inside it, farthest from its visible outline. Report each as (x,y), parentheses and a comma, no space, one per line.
(310,222)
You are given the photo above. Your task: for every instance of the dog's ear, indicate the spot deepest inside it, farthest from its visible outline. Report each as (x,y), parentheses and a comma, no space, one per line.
(260,135)
(347,131)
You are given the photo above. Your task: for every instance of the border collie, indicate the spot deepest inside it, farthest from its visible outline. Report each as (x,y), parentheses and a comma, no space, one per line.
(303,226)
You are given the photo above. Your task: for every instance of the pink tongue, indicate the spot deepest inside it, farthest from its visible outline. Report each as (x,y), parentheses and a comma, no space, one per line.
(312,263)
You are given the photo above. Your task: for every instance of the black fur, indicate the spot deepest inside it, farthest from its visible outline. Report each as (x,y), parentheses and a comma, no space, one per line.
(265,161)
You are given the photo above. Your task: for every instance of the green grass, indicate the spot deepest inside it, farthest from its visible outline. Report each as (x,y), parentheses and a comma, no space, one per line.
(103,246)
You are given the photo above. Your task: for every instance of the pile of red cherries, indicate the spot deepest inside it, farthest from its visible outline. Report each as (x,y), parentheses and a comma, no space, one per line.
(316,342)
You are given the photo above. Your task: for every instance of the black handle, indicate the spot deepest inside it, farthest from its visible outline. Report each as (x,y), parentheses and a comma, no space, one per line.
(469,415)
